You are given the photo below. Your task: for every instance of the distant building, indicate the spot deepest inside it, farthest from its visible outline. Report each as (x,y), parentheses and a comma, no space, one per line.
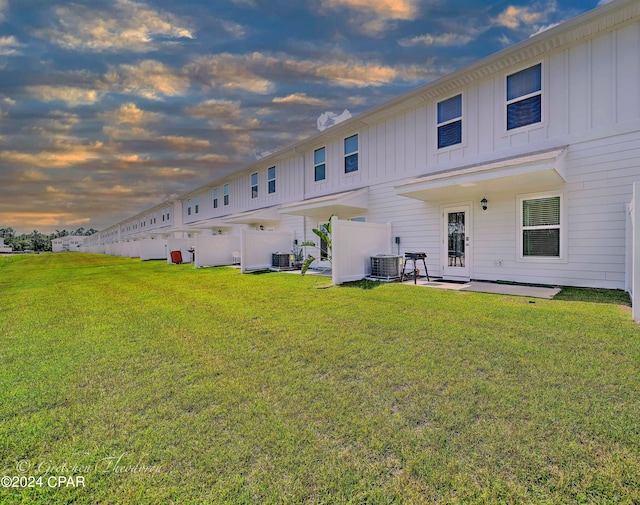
(4,249)
(70,243)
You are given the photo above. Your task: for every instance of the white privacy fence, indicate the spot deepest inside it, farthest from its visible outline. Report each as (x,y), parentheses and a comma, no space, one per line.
(180,244)
(153,249)
(215,250)
(134,249)
(258,246)
(633,251)
(353,244)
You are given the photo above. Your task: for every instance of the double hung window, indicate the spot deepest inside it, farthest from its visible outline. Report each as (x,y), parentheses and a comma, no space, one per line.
(254,185)
(541,227)
(524,97)
(319,164)
(271,180)
(351,154)
(450,122)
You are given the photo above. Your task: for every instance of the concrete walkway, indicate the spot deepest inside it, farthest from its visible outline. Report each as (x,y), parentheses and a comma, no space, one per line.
(490,287)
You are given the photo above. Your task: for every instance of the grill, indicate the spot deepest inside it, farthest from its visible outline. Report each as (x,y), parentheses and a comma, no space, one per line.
(281,261)
(414,257)
(385,266)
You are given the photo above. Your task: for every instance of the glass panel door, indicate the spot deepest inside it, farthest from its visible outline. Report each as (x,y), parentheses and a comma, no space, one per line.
(456,243)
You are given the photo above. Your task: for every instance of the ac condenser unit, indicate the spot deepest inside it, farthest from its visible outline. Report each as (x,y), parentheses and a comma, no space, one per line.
(281,261)
(386,266)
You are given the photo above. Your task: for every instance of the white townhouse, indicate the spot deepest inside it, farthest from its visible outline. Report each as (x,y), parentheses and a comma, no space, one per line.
(520,167)
(69,243)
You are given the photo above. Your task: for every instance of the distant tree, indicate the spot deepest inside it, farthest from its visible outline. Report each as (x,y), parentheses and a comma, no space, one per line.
(90,231)
(79,232)
(62,233)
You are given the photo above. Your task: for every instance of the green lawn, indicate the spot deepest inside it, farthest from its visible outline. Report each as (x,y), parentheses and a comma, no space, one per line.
(164,384)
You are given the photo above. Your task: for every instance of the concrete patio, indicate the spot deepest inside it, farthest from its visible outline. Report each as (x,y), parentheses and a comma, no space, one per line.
(490,287)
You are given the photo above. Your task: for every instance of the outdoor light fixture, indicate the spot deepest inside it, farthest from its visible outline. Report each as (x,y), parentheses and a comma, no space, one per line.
(484,203)
(261,227)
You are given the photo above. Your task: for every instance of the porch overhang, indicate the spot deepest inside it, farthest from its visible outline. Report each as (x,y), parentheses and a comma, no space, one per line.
(268,214)
(339,204)
(216,223)
(524,172)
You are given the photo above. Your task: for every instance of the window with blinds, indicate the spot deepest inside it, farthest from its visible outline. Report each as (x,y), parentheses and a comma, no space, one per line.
(541,227)
(524,97)
(450,122)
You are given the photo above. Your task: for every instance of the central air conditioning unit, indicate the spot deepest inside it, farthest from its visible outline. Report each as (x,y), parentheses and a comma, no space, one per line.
(281,261)
(386,267)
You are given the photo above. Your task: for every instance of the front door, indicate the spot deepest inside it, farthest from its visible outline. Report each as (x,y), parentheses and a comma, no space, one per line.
(456,243)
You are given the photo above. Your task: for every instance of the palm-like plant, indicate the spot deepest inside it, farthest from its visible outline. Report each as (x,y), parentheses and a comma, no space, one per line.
(324,233)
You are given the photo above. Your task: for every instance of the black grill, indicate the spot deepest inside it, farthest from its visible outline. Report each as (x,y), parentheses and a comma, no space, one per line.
(414,257)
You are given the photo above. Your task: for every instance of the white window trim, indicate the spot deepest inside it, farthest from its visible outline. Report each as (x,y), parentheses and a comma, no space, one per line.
(255,186)
(444,123)
(275,184)
(318,164)
(225,195)
(345,156)
(520,257)
(506,103)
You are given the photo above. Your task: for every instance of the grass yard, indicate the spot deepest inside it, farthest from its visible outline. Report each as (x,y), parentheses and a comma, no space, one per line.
(161,384)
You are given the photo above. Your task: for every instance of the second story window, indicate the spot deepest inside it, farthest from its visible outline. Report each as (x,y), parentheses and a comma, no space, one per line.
(271,180)
(319,164)
(254,185)
(351,154)
(225,194)
(197,204)
(524,97)
(215,198)
(450,122)
(189,207)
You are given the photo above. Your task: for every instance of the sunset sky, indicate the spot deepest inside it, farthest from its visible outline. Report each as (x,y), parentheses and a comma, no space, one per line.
(107,107)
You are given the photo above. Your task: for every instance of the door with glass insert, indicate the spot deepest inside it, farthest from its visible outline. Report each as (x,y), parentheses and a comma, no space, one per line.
(456,242)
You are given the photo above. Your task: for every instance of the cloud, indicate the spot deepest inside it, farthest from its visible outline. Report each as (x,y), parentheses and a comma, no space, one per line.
(128,121)
(185,144)
(604,2)
(444,40)
(254,72)
(174,173)
(9,46)
(227,71)
(299,99)
(60,154)
(57,123)
(37,220)
(328,119)
(4,6)
(513,17)
(130,114)
(149,79)
(375,17)
(215,110)
(131,26)
(72,96)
